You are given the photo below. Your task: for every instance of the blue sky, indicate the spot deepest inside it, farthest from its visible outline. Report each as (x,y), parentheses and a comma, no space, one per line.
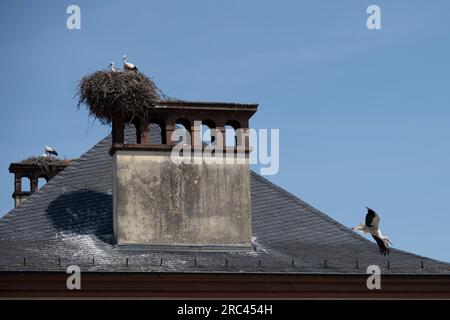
(363,115)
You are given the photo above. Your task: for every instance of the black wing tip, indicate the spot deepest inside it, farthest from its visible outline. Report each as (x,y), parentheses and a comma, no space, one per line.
(369,210)
(384,251)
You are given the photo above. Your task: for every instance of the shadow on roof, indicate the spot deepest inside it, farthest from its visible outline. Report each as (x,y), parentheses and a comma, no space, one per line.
(83,212)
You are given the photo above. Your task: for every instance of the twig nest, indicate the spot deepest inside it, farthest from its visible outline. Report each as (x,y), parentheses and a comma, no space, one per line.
(46,163)
(128,92)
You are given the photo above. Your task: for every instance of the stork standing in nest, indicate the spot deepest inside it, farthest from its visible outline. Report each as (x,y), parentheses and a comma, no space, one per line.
(50,151)
(128,65)
(112,66)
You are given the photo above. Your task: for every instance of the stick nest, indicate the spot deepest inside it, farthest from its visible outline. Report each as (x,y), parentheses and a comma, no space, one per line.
(46,163)
(129,92)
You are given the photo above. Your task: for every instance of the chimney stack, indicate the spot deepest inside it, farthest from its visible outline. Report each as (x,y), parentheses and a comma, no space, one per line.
(161,202)
(33,169)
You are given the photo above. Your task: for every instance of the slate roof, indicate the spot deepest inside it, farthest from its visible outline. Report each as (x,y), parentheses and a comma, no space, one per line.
(69,221)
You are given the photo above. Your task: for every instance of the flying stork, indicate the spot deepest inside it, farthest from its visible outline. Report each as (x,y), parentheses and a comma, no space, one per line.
(127,65)
(112,66)
(371,226)
(50,151)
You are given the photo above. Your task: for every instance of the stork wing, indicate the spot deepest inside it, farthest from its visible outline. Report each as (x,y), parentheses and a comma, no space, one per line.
(51,150)
(372,219)
(129,66)
(383,249)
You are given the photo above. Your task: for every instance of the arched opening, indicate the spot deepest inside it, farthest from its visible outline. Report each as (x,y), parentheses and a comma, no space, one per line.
(183,127)
(135,123)
(206,133)
(25,184)
(231,139)
(42,181)
(130,132)
(157,132)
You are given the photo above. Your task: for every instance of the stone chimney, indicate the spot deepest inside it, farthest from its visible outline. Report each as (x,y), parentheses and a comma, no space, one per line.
(32,170)
(163,202)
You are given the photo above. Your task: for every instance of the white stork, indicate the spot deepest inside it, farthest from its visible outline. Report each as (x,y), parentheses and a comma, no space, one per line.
(371,226)
(50,151)
(127,65)
(112,66)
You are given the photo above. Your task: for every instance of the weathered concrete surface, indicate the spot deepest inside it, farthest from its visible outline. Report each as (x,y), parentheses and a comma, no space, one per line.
(157,202)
